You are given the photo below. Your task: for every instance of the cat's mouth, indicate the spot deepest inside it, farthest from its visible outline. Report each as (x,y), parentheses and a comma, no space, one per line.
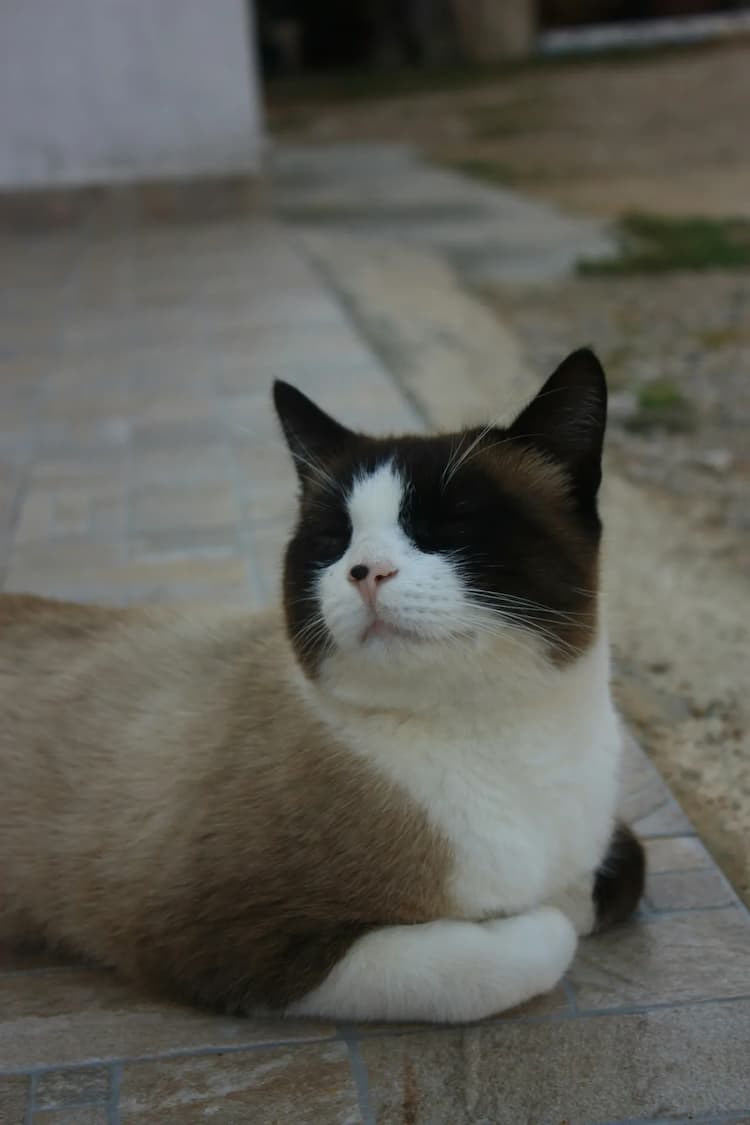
(388,631)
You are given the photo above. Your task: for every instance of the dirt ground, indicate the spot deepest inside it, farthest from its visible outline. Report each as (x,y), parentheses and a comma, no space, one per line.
(664,133)
(682,683)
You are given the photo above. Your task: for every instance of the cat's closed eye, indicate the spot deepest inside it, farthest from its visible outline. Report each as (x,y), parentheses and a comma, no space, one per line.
(332,536)
(453,521)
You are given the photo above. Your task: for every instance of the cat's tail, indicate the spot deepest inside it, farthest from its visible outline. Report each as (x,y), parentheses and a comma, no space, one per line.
(446,971)
(620,879)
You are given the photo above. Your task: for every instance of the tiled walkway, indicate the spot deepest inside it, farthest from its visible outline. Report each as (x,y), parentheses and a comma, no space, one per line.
(139,462)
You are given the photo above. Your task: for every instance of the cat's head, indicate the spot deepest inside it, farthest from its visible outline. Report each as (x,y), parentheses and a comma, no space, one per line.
(416,551)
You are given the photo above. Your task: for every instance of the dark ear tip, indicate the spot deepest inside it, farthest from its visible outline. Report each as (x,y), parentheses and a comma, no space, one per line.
(286,397)
(585,363)
(281,389)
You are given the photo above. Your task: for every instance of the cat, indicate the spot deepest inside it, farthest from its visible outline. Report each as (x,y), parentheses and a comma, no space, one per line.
(393,801)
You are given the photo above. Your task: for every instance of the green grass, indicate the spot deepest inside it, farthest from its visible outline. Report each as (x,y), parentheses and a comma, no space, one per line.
(721,337)
(662,405)
(658,244)
(660,394)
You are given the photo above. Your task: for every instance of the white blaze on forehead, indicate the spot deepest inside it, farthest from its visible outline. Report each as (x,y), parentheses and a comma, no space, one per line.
(375,500)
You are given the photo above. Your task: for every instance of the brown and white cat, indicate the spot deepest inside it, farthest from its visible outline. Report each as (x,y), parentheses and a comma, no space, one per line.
(396,800)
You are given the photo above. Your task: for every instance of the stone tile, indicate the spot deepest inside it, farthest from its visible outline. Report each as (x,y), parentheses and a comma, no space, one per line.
(108,516)
(74,567)
(645,800)
(665,958)
(180,543)
(59,1088)
(667,820)
(190,433)
(30,561)
(678,853)
(78,435)
(21,370)
(183,506)
(19,412)
(90,399)
(176,466)
(642,789)
(82,1016)
(272,505)
(261,458)
(88,386)
(78,1115)
(688,890)
(268,545)
(35,523)
(16,447)
(657,1064)
(72,514)
(99,474)
(252,423)
(10,486)
(278,1087)
(637,769)
(13,1094)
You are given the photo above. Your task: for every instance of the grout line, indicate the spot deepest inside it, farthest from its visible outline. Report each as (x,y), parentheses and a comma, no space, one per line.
(666,1005)
(65,1106)
(348,1032)
(570,996)
(359,1073)
(31,1099)
(361,332)
(691,1119)
(113,1104)
(685,833)
(177,1053)
(659,911)
(682,870)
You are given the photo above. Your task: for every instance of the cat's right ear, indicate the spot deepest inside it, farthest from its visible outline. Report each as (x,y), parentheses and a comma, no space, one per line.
(313,437)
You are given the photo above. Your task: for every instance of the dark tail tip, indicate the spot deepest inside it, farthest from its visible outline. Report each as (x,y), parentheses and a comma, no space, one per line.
(620,880)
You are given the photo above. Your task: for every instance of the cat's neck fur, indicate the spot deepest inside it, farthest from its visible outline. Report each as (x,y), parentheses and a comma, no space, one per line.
(488,692)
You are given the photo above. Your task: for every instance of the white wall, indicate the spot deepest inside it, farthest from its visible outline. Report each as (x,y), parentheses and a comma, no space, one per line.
(94,91)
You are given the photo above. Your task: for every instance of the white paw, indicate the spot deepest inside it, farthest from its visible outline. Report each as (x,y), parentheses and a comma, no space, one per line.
(554,936)
(540,945)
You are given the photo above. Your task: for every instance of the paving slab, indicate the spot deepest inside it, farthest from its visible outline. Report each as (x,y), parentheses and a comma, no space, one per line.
(389,191)
(139,461)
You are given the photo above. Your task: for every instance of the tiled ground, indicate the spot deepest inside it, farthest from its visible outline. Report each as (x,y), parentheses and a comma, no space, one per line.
(139,462)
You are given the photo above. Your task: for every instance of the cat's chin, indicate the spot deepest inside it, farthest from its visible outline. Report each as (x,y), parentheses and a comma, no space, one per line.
(385,632)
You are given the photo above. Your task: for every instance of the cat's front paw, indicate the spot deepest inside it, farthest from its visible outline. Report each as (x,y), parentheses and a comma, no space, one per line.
(544,943)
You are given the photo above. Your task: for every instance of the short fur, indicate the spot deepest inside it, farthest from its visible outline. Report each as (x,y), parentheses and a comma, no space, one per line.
(305,816)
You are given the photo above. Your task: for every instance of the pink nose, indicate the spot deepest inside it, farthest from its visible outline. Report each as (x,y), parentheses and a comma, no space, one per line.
(369,579)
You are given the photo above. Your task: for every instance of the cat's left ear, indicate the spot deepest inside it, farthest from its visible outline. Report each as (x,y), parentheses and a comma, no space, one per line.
(313,437)
(567,419)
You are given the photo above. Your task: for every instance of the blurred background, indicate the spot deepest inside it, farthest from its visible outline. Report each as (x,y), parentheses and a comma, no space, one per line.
(413,210)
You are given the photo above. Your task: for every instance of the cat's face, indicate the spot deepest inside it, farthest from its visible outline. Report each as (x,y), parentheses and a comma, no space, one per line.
(412,551)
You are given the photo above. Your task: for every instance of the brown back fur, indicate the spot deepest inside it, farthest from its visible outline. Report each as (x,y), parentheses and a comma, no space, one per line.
(166,805)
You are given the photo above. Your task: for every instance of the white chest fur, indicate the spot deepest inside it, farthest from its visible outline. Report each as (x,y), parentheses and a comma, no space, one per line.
(522,784)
